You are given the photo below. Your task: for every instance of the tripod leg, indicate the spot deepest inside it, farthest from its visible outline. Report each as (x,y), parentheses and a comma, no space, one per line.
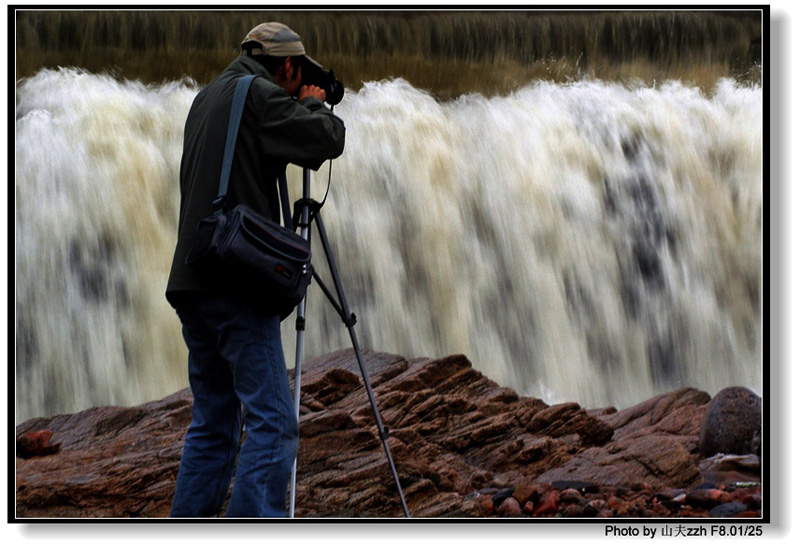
(349,320)
(300,326)
(301,313)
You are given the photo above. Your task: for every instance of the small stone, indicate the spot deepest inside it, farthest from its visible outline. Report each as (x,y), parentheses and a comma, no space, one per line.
(525,493)
(727,510)
(509,508)
(487,504)
(36,444)
(548,506)
(528,508)
(571,496)
(573,511)
(620,507)
(502,495)
(706,498)
(749,496)
(614,503)
(593,508)
(753,502)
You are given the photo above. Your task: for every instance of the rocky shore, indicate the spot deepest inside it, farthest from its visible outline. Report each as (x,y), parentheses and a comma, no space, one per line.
(463,447)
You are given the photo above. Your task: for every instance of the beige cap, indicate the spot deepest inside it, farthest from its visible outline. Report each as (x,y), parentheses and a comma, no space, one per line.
(275,39)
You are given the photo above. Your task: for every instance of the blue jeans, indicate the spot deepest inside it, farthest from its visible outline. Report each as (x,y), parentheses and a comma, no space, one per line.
(236,370)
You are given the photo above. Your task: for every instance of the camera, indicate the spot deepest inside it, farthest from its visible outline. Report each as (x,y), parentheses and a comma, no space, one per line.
(316,75)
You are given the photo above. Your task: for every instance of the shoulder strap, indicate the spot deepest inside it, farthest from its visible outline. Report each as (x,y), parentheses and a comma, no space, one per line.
(239,96)
(286,210)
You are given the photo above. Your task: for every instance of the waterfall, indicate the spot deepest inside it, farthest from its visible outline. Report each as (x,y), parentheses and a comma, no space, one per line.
(586,242)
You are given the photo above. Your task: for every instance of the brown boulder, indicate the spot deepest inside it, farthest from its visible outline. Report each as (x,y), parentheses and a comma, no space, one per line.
(732,423)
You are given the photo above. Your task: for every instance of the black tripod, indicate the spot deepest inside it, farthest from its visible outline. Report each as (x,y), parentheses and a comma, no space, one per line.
(308,211)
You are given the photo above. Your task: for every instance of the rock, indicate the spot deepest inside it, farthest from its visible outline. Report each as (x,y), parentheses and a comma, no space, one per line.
(548,506)
(567,419)
(528,509)
(570,496)
(749,464)
(527,493)
(732,423)
(35,444)
(706,498)
(573,511)
(113,462)
(654,460)
(727,510)
(462,447)
(510,508)
(487,505)
(593,508)
(722,470)
(501,496)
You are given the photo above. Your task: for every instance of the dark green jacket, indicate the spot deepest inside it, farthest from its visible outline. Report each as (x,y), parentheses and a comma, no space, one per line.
(275,130)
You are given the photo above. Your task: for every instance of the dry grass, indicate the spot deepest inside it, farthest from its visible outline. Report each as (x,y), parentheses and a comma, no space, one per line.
(449,53)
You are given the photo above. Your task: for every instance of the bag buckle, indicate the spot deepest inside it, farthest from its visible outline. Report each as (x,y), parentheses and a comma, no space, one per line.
(218,205)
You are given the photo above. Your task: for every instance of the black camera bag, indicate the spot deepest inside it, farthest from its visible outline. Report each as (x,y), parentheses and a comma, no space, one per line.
(248,248)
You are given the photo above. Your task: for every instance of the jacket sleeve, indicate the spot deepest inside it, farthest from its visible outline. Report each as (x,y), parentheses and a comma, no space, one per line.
(304,133)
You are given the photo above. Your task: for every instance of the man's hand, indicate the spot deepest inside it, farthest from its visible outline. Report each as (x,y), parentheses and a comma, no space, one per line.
(312,91)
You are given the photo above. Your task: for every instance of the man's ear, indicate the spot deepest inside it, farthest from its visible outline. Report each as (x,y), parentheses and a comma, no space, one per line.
(296,69)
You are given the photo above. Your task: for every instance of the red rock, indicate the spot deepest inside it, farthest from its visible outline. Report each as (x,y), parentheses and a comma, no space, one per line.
(528,508)
(750,496)
(548,506)
(620,507)
(524,493)
(753,502)
(36,444)
(509,508)
(706,498)
(487,504)
(615,503)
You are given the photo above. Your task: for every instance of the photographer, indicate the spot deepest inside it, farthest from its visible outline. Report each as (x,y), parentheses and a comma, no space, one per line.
(237,371)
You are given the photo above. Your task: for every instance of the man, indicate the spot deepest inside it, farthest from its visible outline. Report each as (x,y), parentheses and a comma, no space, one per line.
(237,370)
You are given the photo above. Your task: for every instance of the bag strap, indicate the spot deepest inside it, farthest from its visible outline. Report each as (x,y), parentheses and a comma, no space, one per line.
(239,97)
(237,107)
(286,210)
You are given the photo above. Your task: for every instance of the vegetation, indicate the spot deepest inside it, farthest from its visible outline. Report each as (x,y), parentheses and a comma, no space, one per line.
(447,52)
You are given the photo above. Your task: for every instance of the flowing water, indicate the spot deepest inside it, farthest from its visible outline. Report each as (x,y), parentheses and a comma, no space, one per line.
(580,242)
